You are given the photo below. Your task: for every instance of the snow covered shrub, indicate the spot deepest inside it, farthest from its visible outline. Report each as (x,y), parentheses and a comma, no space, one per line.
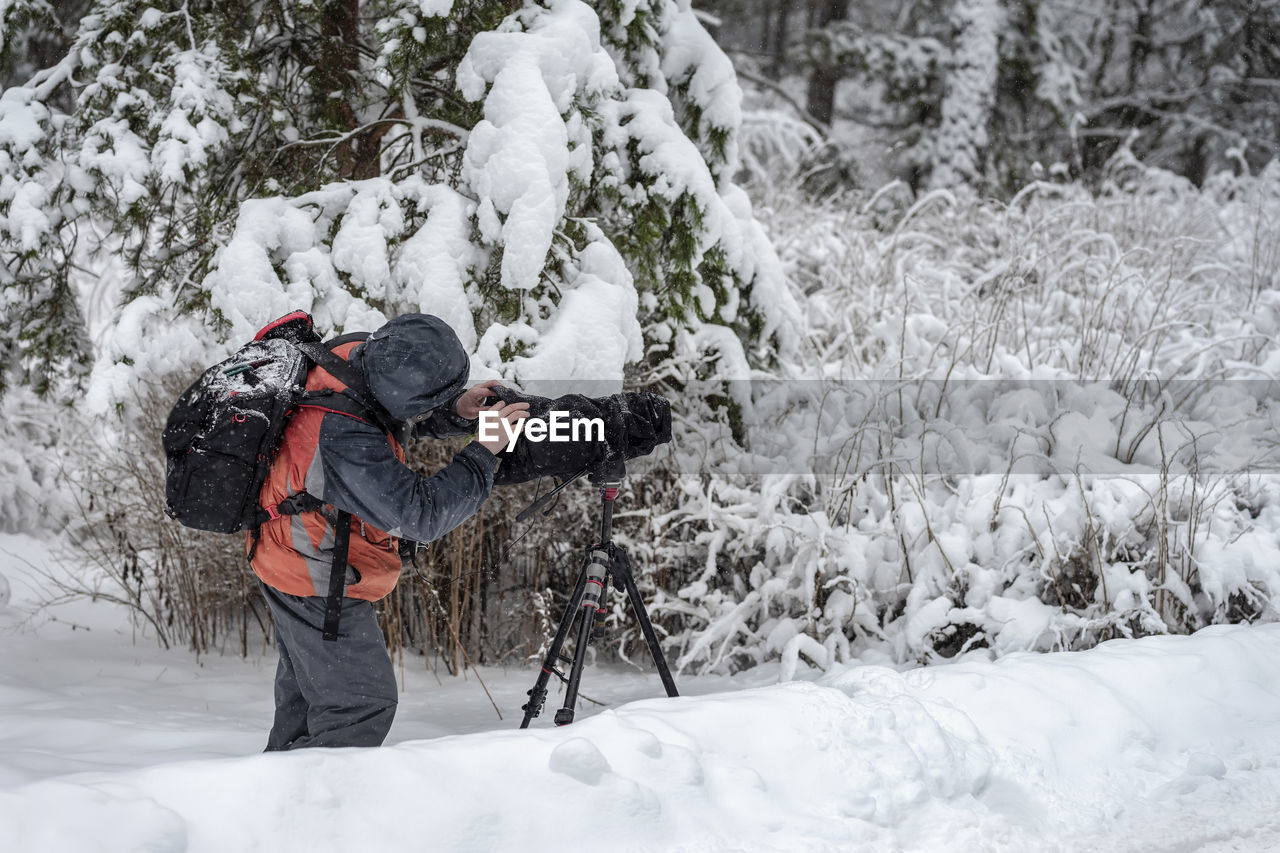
(187,587)
(34,497)
(1025,426)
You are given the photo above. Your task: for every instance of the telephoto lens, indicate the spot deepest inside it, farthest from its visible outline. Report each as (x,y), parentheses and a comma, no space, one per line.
(631,424)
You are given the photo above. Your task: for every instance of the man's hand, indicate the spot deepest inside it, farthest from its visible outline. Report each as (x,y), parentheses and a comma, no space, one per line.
(469,404)
(508,415)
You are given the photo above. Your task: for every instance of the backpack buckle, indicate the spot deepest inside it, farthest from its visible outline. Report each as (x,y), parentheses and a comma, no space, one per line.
(272,513)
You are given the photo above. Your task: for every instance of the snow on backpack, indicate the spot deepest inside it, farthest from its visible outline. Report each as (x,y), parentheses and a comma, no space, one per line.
(223,432)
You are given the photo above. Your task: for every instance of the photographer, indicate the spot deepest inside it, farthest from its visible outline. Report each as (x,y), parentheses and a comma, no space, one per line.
(331,463)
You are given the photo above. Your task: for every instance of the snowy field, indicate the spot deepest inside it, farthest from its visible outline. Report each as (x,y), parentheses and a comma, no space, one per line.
(1161,744)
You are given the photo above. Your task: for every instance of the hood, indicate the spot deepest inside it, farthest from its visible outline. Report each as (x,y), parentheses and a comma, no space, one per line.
(414,364)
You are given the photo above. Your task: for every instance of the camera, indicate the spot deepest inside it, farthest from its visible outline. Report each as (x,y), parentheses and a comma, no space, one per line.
(631,424)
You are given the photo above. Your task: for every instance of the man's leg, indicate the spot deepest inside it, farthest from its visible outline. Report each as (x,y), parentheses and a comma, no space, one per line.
(291,706)
(349,686)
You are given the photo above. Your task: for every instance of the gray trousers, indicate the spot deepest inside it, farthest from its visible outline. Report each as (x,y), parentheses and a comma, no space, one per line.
(339,693)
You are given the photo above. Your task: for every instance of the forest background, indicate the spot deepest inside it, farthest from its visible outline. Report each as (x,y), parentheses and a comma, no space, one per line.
(968,309)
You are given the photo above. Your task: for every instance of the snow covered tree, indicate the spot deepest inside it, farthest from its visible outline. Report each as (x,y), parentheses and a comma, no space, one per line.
(32,36)
(39,315)
(930,75)
(961,137)
(554,179)
(1197,80)
(961,87)
(823,77)
(545,178)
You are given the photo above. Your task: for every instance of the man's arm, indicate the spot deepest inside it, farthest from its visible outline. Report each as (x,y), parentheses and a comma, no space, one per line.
(363,477)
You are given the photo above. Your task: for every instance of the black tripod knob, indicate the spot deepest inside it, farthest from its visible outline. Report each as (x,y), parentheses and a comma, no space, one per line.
(537,698)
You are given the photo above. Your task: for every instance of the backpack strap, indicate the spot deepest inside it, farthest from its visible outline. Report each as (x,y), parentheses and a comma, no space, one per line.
(339,403)
(348,338)
(351,376)
(337,577)
(292,505)
(303,502)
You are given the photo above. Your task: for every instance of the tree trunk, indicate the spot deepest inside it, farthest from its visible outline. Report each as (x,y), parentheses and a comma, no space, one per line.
(821,95)
(779,46)
(336,71)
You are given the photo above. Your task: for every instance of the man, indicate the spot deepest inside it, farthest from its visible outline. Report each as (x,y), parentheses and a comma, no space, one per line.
(342,691)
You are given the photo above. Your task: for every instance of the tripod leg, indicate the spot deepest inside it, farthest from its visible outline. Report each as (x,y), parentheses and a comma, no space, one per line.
(595,574)
(538,694)
(564,716)
(622,569)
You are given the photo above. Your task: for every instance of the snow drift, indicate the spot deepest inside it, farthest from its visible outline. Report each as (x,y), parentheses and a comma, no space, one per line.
(1159,743)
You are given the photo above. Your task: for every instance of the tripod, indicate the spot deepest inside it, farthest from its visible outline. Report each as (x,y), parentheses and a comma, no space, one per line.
(604,560)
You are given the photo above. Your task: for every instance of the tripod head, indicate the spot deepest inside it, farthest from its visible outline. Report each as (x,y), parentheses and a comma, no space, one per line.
(607,475)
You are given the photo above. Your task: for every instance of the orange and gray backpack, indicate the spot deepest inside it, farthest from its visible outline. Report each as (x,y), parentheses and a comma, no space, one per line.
(223,432)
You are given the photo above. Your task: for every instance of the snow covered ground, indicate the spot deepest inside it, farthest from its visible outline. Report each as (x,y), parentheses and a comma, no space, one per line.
(1161,744)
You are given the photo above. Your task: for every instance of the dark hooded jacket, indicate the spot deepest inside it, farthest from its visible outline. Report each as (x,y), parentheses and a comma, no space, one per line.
(416,368)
